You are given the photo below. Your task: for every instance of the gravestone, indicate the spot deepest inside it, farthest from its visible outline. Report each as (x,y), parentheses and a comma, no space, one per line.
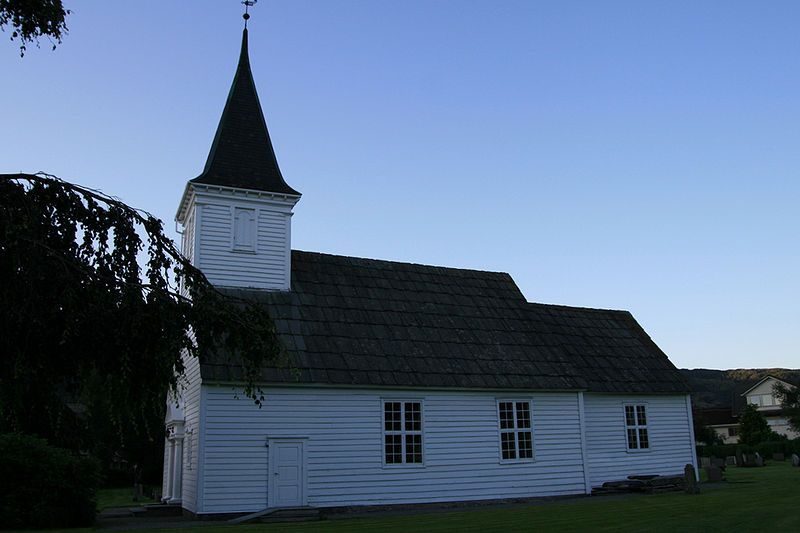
(138,492)
(705,462)
(714,474)
(778,456)
(750,459)
(795,460)
(730,460)
(739,458)
(690,478)
(759,461)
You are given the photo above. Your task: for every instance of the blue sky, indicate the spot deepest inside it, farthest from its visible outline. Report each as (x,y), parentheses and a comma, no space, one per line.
(633,155)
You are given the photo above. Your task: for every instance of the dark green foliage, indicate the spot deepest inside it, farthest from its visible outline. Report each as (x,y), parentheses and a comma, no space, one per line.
(753,427)
(784,446)
(765,449)
(45,487)
(98,307)
(722,450)
(31,19)
(790,400)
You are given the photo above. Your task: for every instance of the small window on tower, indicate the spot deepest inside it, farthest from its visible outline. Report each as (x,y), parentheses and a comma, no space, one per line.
(244,230)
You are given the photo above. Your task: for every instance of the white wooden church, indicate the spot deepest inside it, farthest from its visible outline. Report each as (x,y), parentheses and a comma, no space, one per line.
(409,383)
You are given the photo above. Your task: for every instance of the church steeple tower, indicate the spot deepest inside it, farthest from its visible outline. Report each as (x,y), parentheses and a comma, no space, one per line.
(242,155)
(237,213)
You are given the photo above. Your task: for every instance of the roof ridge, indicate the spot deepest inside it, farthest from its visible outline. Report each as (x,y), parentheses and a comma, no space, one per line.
(395,262)
(579,308)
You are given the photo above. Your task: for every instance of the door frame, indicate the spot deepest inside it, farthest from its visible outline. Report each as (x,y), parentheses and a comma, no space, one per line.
(303,442)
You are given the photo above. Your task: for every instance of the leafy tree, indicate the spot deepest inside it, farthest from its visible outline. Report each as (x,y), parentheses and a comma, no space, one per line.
(32,19)
(789,397)
(43,486)
(753,427)
(98,310)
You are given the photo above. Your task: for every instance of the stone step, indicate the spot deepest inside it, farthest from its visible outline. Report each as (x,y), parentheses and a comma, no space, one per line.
(644,483)
(299,514)
(280,519)
(161,509)
(294,513)
(291,514)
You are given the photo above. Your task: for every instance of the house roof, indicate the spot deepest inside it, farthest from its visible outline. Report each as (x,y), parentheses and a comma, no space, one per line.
(765,378)
(241,154)
(365,322)
(717,416)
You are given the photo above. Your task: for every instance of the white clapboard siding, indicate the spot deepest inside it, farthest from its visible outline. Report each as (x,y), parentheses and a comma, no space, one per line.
(267,266)
(165,469)
(190,393)
(187,243)
(668,428)
(345,454)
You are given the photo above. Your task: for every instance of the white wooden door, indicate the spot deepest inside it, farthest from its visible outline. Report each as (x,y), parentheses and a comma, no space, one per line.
(287,473)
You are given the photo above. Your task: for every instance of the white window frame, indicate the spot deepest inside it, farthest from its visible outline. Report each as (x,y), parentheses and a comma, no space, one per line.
(403,432)
(240,247)
(516,431)
(636,426)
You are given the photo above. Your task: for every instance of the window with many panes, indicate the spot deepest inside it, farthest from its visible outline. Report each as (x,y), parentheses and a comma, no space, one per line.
(636,427)
(516,436)
(402,432)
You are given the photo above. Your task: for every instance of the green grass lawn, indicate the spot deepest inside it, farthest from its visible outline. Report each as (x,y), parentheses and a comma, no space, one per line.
(754,499)
(118,497)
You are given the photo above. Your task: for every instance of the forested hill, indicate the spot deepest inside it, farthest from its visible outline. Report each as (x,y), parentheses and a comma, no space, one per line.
(722,388)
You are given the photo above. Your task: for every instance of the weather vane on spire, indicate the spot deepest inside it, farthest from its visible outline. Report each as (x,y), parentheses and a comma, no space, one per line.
(247,5)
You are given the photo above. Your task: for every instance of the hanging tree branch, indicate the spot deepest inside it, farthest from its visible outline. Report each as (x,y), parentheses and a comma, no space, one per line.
(100,306)
(32,19)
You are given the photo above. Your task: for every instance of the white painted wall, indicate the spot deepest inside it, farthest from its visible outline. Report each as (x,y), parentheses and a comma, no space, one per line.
(669,425)
(191,395)
(725,435)
(345,448)
(780,424)
(165,470)
(269,266)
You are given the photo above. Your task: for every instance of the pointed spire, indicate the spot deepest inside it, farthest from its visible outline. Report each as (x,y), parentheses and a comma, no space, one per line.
(241,155)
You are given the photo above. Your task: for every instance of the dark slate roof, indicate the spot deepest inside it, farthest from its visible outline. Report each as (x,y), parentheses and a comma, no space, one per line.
(364,322)
(241,155)
(608,348)
(716,416)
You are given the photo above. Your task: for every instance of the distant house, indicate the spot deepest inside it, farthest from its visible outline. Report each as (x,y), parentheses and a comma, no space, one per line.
(723,421)
(409,383)
(762,395)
